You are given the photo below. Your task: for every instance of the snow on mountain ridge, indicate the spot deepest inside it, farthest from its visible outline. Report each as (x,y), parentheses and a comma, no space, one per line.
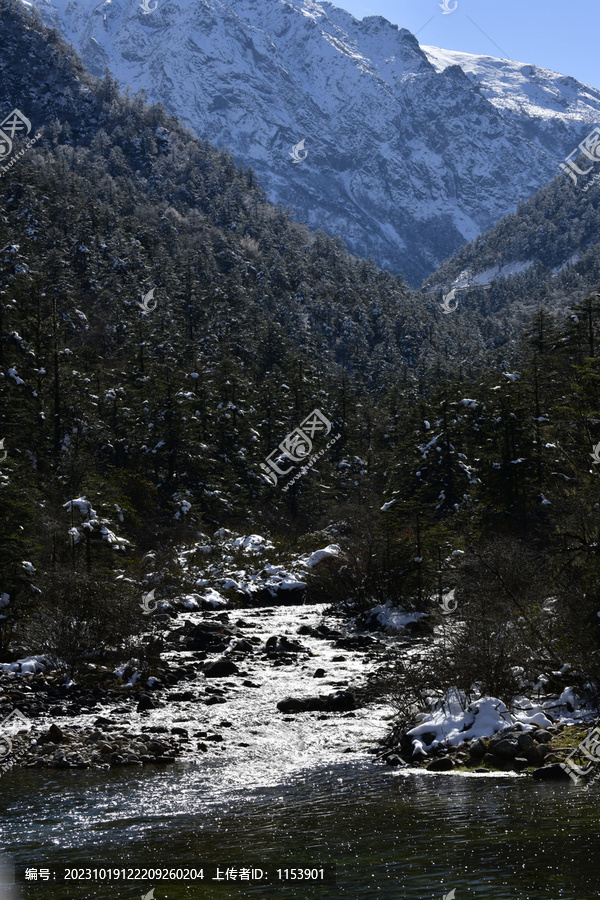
(406,159)
(511,85)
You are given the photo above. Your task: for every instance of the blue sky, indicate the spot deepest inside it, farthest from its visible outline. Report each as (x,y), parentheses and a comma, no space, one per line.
(554,34)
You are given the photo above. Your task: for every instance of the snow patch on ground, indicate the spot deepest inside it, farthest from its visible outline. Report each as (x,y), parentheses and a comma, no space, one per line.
(330,552)
(393,618)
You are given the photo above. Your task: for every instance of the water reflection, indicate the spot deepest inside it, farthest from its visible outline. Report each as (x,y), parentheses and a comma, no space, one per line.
(390,835)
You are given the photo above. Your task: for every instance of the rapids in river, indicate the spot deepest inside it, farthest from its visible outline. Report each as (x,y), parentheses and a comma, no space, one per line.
(282,795)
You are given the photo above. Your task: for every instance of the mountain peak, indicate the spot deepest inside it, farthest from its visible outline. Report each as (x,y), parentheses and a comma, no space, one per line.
(393,131)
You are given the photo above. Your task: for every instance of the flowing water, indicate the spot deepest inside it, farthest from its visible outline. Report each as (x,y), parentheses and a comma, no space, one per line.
(285,793)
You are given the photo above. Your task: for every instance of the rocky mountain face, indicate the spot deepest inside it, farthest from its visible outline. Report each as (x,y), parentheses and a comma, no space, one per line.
(408,152)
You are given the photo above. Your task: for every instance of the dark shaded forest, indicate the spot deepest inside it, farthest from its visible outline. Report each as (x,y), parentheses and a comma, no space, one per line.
(160,419)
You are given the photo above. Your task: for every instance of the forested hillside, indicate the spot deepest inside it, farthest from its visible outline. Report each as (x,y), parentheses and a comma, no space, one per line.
(545,254)
(155,416)
(252,323)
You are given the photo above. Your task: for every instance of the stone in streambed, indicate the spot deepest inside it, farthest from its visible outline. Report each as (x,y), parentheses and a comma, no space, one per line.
(56,734)
(243,646)
(393,760)
(294,705)
(340,702)
(537,754)
(551,773)
(277,644)
(220,668)
(145,702)
(441,764)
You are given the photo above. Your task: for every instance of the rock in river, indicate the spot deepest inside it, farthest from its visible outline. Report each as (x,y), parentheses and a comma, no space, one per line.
(340,702)
(220,668)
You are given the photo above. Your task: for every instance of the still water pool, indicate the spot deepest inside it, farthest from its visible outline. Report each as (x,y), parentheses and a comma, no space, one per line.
(389,834)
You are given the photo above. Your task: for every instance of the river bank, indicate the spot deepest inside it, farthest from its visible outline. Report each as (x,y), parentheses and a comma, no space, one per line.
(242,667)
(241,696)
(288,682)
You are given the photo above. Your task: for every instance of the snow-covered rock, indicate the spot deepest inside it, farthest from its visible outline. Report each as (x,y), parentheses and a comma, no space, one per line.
(332,551)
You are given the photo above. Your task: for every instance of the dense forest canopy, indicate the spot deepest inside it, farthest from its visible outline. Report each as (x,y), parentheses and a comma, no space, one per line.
(131,425)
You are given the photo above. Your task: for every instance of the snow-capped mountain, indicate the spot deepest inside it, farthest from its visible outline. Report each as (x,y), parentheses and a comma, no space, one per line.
(407,151)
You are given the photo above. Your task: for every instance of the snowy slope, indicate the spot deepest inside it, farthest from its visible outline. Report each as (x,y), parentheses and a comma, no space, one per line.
(524,89)
(410,153)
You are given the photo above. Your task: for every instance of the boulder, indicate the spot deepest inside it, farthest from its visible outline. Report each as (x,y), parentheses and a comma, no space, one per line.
(220,668)
(551,773)
(526,741)
(478,748)
(292,705)
(284,645)
(392,760)
(341,702)
(145,702)
(440,764)
(507,749)
(56,734)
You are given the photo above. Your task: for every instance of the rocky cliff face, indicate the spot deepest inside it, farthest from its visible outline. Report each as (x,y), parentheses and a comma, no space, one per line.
(408,151)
